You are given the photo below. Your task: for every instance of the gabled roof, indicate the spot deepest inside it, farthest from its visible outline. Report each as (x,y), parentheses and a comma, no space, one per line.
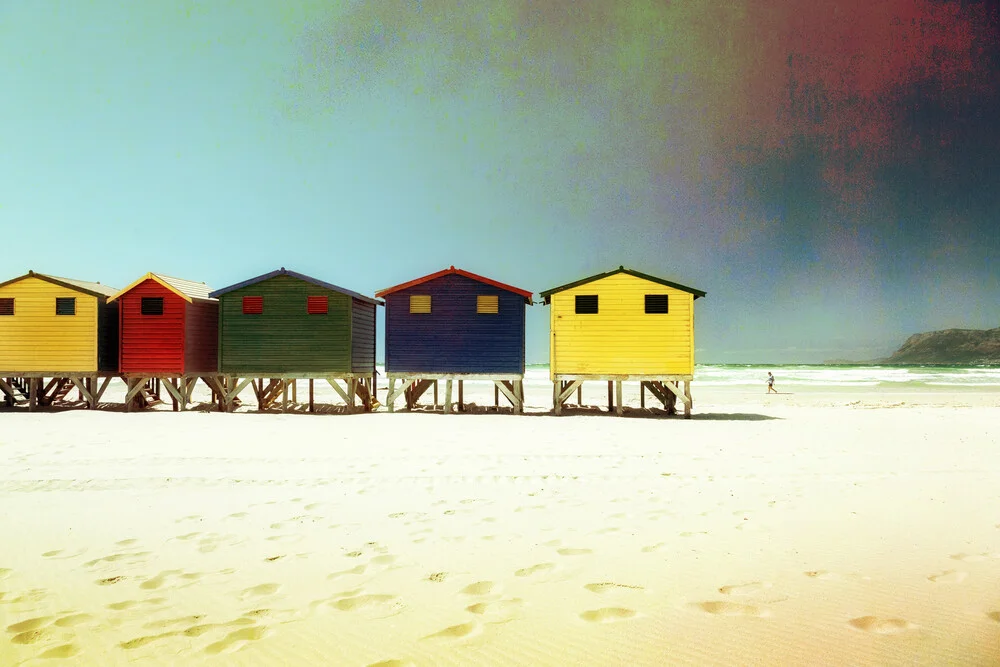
(621,269)
(459,272)
(185,289)
(285,272)
(93,289)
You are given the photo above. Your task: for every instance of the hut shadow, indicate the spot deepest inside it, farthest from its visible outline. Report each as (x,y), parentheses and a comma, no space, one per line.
(734,417)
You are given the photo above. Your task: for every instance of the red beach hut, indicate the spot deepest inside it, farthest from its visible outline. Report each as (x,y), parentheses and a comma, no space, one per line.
(168,331)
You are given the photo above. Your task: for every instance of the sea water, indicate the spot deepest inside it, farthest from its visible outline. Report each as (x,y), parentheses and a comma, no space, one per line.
(818,377)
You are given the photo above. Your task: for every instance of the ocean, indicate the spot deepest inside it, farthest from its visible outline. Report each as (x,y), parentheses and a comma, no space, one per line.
(805,376)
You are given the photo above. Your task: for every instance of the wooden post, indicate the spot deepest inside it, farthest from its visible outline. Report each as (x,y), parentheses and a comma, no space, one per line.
(33,393)
(556,405)
(173,399)
(519,384)
(284,395)
(611,398)
(435,394)
(496,395)
(642,394)
(389,398)
(579,395)
(689,402)
(619,409)
(295,391)
(312,406)
(447,396)
(352,392)
(461,398)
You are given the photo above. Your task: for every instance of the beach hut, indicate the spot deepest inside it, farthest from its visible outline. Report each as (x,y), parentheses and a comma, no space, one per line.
(454,325)
(168,337)
(618,326)
(284,326)
(56,334)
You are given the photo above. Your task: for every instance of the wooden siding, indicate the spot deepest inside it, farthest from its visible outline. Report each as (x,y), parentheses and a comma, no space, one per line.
(453,337)
(35,339)
(284,338)
(201,337)
(152,343)
(362,336)
(622,338)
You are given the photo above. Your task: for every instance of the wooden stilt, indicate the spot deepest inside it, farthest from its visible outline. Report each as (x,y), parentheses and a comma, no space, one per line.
(642,394)
(312,405)
(284,396)
(611,398)
(556,403)
(688,403)
(579,396)
(496,395)
(435,394)
(295,391)
(33,393)
(461,398)
(352,392)
(390,398)
(447,396)
(619,408)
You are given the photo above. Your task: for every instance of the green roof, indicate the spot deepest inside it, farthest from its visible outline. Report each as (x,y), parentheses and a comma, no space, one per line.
(621,269)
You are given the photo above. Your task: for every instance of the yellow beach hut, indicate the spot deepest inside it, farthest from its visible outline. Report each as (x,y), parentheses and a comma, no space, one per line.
(620,326)
(56,328)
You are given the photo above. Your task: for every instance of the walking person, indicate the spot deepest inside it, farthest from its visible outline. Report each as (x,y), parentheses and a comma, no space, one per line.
(770,383)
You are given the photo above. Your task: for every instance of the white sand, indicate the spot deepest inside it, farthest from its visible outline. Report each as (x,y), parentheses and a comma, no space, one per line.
(806,529)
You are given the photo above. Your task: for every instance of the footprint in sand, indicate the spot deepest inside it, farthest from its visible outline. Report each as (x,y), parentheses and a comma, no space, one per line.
(437,577)
(361,601)
(882,626)
(73,620)
(5,572)
(653,547)
(460,631)
(158,580)
(360,569)
(611,587)
(499,611)
(822,574)
(61,652)
(534,569)
(130,558)
(391,663)
(60,554)
(994,615)
(31,636)
(745,589)
(573,552)
(969,558)
(733,609)
(259,590)
(168,622)
(30,624)
(949,577)
(236,639)
(130,604)
(608,614)
(478,588)
(110,581)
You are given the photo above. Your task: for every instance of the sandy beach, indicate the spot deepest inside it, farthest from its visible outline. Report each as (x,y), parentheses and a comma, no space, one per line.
(819,528)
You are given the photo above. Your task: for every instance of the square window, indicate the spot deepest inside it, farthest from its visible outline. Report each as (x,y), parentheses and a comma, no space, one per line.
(420,303)
(488,304)
(586,304)
(6,306)
(65,305)
(656,303)
(317,305)
(151,305)
(253,305)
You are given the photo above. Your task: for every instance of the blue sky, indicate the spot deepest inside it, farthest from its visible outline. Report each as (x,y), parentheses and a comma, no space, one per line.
(367,144)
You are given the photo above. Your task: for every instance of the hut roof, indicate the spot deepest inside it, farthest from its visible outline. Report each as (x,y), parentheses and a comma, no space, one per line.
(186,289)
(94,289)
(460,272)
(285,272)
(546,295)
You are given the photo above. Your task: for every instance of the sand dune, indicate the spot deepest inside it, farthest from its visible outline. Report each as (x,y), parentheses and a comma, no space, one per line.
(759,532)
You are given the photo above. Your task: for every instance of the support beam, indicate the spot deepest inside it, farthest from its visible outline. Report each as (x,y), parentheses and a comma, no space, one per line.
(312,405)
(689,403)
(642,394)
(611,398)
(390,397)
(340,392)
(619,408)
(461,398)
(447,396)
(176,395)
(284,397)
(435,394)
(508,392)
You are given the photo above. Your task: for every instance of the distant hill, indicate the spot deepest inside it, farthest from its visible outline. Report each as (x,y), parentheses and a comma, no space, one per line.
(951,346)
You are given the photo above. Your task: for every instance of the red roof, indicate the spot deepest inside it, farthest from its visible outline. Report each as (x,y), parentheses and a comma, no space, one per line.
(453,271)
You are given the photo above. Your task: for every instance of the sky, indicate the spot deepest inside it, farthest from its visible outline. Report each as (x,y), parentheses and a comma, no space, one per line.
(829,172)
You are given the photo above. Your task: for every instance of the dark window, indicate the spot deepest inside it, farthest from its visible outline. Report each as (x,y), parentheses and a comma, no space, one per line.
(6,306)
(656,303)
(65,305)
(317,305)
(253,305)
(586,304)
(152,305)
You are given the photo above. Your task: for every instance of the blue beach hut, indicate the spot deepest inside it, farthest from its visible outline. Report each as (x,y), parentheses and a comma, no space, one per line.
(454,325)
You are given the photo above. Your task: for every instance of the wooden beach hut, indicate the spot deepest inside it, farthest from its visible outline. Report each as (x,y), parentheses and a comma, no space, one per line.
(620,326)
(56,334)
(454,325)
(284,326)
(168,338)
